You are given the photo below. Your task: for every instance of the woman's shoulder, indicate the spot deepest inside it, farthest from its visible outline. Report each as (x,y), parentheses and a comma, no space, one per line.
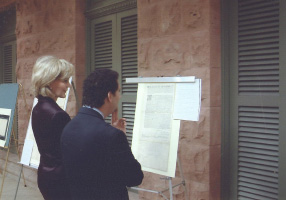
(48,106)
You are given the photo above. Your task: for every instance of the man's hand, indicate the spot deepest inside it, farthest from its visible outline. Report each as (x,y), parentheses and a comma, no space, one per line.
(118,123)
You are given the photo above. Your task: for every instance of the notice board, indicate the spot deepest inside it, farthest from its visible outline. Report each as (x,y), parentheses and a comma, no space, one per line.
(8,100)
(161,103)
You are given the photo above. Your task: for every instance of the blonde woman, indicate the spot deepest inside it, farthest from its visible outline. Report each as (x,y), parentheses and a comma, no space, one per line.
(50,80)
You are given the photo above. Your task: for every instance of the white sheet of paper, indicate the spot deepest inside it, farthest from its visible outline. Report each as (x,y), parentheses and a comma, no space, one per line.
(3,126)
(7,112)
(34,154)
(27,151)
(156,134)
(188,101)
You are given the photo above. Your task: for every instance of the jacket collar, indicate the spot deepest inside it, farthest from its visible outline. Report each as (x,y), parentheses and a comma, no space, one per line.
(46,98)
(90,111)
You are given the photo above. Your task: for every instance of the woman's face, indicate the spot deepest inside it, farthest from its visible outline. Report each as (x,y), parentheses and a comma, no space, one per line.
(59,87)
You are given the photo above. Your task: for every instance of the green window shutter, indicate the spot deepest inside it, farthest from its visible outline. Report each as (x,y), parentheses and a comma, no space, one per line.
(258,47)
(114,46)
(129,53)
(129,68)
(103,45)
(256,101)
(103,32)
(258,156)
(128,110)
(103,40)
(9,62)
(258,77)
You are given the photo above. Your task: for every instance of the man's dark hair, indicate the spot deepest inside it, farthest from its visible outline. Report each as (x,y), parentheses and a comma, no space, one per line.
(97,85)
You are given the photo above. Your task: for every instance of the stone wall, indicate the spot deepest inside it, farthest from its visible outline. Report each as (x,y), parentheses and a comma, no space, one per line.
(182,37)
(44,27)
(48,28)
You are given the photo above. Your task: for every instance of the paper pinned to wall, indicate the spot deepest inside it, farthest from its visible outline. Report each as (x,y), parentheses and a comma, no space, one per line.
(25,159)
(156,134)
(32,154)
(188,101)
(160,106)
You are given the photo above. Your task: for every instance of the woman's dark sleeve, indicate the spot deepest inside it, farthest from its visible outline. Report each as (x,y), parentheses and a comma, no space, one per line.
(59,121)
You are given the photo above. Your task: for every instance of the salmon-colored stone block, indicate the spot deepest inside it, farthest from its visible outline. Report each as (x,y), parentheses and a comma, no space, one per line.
(161,18)
(27,46)
(215,127)
(171,54)
(215,162)
(195,15)
(215,80)
(24,68)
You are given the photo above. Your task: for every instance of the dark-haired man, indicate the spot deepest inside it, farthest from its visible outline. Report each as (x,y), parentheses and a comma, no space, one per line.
(98,161)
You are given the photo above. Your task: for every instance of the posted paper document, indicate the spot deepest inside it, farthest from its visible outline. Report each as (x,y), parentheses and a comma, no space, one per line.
(156,134)
(188,101)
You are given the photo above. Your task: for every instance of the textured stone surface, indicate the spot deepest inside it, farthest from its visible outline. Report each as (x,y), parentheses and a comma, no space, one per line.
(176,53)
(45,28)
(159,18)
(182,37)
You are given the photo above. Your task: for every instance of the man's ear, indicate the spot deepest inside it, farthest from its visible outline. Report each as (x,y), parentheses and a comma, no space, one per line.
(109,96)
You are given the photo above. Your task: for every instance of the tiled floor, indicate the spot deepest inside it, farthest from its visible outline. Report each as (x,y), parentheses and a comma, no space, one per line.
(28,193)
(10,189)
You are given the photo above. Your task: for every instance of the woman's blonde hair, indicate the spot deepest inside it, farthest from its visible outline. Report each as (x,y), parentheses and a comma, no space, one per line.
(46,70)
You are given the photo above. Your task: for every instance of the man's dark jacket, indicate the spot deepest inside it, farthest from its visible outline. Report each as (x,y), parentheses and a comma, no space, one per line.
(98,161)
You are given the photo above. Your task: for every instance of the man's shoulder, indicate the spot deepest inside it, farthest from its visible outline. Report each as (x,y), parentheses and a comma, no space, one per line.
(89,122)
(108,130)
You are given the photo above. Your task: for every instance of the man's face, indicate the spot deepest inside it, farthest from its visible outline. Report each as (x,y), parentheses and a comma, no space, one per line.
(116,97)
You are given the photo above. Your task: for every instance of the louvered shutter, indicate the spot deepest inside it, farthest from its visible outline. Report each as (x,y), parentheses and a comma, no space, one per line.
(102,53)
(258,75)
(258,155)
(258,47)
(102,39)
(103,45)
(114,42)
(128,60)
(9,62)
(255,124)
(129,53)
